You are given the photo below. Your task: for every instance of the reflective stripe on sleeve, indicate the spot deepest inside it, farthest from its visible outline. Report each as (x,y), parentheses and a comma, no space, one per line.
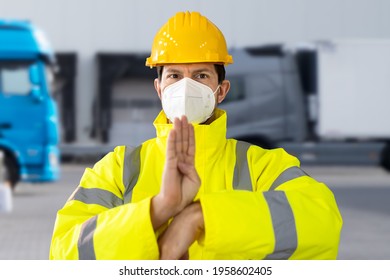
(131,169)
(286,240)
(97,196)
(287,175)
(283,221)
(241,177)
(85,243)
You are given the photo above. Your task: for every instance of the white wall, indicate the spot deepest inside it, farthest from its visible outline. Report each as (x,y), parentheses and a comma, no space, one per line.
(90,26)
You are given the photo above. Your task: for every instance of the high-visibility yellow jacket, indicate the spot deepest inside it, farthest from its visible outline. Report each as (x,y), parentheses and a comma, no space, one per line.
(257,203)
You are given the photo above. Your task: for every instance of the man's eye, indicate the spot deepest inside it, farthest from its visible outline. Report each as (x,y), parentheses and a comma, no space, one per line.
(202,76)
(173,76)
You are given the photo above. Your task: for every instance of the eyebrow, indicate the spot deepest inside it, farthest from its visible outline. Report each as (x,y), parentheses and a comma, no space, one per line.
(200,70)
(203,70)
(172,70)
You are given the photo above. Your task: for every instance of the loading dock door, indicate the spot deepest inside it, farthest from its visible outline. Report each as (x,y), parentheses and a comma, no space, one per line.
(135,105)
(126,103)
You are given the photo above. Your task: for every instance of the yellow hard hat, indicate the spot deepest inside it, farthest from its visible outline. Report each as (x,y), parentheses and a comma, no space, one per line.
(188,37)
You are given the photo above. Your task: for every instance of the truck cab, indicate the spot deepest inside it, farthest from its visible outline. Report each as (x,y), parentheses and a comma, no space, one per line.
(29,134)
(266,103)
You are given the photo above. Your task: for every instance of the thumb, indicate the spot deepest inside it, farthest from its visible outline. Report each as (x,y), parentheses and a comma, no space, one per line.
(185,168)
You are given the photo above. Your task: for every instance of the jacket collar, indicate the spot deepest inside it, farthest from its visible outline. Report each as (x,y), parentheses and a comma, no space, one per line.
(209,138)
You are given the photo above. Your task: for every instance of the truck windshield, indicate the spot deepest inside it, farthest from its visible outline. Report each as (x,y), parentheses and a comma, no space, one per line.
(15,78)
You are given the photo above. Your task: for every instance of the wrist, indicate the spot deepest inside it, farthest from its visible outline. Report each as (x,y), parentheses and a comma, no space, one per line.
(197,215)
(160,212)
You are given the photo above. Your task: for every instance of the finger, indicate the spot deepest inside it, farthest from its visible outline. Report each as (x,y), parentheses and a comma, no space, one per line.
(171,145)
(185,133)
(191,145)
(178,143)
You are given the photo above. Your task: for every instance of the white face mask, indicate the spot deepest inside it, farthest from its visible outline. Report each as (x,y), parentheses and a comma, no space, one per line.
(190,98)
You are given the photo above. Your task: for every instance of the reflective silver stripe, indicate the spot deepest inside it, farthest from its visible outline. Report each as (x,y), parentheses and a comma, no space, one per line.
(85,243)
(241,177)
(287,175)
(97,196)
(286,240)
(131,169)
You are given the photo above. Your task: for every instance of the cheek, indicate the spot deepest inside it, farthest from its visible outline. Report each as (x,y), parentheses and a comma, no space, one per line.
(161,93)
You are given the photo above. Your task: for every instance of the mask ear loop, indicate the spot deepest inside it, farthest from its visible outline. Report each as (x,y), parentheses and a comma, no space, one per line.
(218,88)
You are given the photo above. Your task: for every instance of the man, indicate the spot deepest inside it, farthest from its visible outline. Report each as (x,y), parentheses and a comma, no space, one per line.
(190,193)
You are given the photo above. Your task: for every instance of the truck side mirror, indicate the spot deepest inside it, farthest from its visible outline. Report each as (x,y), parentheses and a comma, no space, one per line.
(34,74)
(36,94)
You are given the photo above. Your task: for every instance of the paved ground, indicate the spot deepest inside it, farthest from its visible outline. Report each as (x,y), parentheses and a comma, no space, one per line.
(363,195)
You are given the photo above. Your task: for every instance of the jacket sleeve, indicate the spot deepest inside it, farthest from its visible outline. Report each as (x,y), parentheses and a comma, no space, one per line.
(96,213)
(286,214)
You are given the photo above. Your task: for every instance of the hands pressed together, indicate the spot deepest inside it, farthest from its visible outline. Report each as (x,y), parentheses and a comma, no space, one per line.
(180,184)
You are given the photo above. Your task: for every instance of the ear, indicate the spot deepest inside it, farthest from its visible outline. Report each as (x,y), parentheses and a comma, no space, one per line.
(157,87)
(223,90)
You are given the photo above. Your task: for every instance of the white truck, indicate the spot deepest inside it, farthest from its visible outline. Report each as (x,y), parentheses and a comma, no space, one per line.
(325,101)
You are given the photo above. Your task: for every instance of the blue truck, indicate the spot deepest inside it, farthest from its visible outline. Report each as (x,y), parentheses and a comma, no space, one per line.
(29,133)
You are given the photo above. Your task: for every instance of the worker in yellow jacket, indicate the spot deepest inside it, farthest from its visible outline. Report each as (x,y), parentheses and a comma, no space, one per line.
(190,193)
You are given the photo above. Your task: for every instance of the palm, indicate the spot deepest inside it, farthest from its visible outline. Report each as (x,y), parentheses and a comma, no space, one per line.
(180,179)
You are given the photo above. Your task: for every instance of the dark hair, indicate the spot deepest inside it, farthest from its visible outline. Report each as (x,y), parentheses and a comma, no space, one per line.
(219,68)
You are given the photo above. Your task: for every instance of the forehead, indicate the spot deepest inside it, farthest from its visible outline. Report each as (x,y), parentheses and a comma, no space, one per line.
(190,68)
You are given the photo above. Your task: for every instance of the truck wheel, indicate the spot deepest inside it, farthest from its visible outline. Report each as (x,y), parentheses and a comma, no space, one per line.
(385,157)
(11,171)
